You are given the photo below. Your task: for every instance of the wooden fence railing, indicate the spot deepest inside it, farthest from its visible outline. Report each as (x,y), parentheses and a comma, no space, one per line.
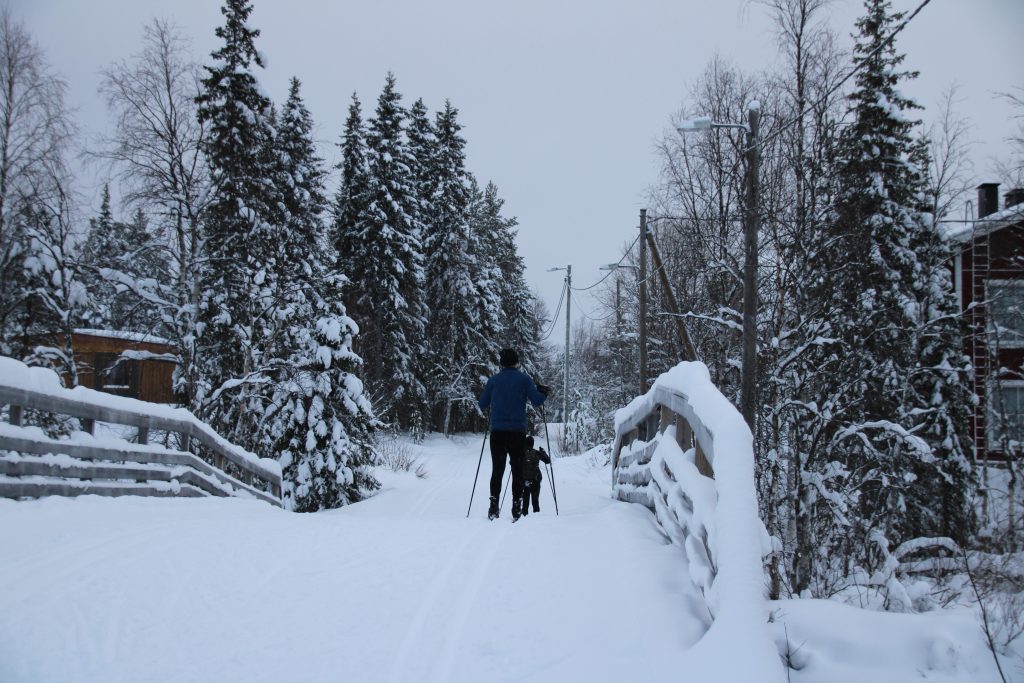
(192,460)
(684,451)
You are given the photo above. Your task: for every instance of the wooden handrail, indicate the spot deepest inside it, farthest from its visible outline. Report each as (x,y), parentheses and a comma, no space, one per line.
(708,508)
(46,402)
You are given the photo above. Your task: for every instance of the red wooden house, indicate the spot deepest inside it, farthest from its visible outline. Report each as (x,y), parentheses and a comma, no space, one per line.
(989,282)
(125,363)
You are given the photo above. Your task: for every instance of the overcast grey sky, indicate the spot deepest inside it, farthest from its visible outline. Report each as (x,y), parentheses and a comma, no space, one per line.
(561,100)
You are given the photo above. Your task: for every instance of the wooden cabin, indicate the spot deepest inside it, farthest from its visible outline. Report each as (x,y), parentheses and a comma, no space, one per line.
(125,363)
(989,281)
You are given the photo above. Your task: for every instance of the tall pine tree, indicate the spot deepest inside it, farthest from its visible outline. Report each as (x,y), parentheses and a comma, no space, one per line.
(241,230)
(318,423)
(384,258)
(517,321)
(890,437)
(458,328)
(119,261)
(350,200)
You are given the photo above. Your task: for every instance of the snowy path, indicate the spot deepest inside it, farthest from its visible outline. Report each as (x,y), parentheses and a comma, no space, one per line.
(398,588)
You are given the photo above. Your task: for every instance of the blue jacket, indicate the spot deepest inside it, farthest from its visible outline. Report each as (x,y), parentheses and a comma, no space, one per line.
(506,394)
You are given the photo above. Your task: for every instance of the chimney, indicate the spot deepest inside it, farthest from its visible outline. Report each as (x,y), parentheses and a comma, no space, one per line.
(1014,197)
(988,199)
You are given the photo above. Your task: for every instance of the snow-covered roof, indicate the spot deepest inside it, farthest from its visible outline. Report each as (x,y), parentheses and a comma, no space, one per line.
(122,334)
(967,231)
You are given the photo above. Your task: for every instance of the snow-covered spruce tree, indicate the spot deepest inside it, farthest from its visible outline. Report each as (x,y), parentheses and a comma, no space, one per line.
(890,437)
(462,323)
(322,419)
(114,257)
(939,398)
(517,322)
(350,200)
(54,294)
(300,242)
(318,421)
(385,261)
(241,228)
(423,157)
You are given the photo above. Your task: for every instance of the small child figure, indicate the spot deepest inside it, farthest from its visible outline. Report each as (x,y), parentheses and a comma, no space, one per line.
(532,475)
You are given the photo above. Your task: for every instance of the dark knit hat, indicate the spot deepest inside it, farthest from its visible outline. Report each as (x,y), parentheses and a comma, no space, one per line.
(529,442)
(508,358)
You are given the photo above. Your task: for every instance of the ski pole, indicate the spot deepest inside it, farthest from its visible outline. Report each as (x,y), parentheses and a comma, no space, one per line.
(480,460)
(552,488)
(551,467)
(502,503)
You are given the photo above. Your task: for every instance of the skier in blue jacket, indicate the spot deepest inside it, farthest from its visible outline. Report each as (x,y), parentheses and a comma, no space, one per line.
(506,394)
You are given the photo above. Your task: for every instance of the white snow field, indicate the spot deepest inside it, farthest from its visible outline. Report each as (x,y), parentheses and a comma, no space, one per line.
(403,587)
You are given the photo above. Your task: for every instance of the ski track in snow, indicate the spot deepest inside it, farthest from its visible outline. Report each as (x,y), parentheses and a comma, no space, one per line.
(429,605)
(457,632)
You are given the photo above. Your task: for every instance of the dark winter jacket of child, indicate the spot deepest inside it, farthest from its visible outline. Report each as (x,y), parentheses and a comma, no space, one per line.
(531,463)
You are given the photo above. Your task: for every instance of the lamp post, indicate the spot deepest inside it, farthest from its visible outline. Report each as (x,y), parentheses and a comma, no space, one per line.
(568,304)
(748,382)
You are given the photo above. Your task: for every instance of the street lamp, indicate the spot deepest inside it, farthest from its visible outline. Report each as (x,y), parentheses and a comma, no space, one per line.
(568,303)
(748,386)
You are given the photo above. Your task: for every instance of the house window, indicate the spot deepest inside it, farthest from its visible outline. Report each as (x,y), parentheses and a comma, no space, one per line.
(1006,313)
(1005,414)
(116,378)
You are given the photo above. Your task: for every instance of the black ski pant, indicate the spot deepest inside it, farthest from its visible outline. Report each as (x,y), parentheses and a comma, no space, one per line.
(531,492)
(510,444)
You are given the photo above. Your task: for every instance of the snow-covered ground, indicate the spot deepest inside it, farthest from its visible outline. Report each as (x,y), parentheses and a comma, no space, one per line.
(402,587)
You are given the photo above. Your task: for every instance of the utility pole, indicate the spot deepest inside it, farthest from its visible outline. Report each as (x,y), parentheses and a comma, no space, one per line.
(689,352)
(568,304)
(751,226)
(618,331)
(568,308)
(643,301)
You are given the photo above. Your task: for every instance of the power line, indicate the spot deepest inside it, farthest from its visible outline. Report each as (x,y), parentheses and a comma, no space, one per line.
(554,318)
(590,318)
(610,270)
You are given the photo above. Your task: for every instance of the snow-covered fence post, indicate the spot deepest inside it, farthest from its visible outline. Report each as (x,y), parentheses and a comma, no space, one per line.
(686,453)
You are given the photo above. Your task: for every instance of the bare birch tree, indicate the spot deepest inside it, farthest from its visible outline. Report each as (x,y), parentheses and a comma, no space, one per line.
(155,150)
(34,132)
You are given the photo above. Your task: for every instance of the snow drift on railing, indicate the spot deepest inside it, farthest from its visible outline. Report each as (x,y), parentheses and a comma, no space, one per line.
(739,645)
(17,375)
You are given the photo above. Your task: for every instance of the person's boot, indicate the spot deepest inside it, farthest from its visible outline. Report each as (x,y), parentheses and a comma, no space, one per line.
(517,506)
(492,512)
